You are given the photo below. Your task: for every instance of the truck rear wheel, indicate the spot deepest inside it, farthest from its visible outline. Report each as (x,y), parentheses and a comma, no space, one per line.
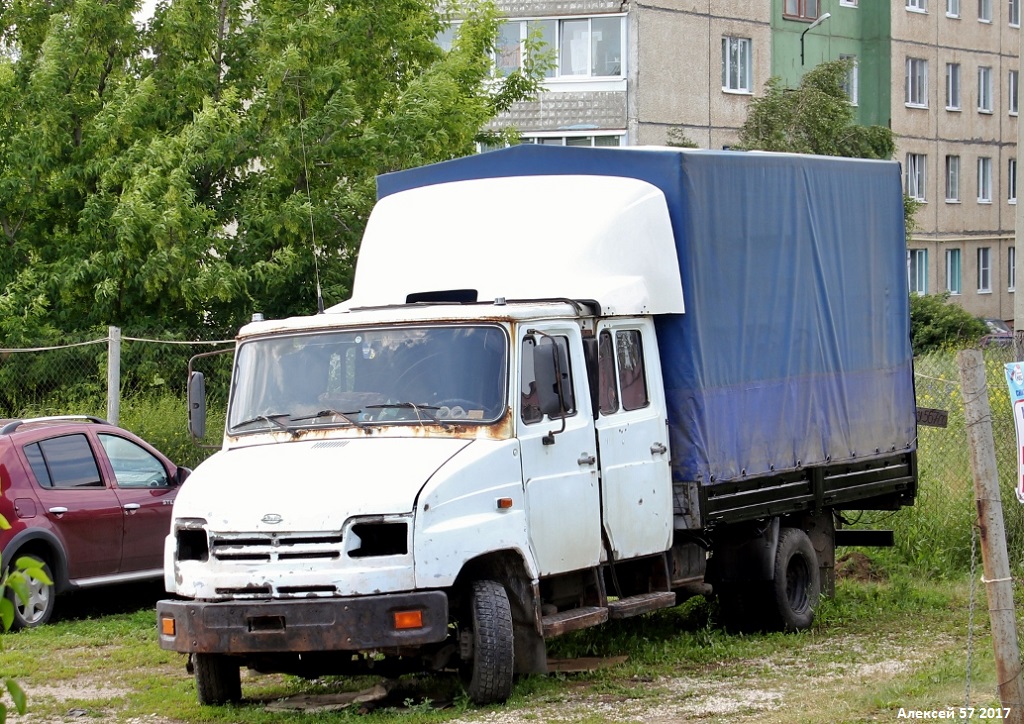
(218,679)
(796,585)
(489,672)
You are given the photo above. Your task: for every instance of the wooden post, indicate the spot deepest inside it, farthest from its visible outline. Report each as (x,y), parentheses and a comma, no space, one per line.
(998,583)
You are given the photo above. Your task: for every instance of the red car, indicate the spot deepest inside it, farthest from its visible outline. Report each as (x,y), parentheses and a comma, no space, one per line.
(90,500)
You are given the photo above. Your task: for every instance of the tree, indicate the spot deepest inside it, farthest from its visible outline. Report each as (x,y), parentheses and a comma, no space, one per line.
(221,158)
(816,117)
(936,323)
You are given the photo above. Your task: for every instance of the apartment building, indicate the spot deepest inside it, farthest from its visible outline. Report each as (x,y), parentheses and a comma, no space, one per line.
(955,114)
(943,74)
(627,73)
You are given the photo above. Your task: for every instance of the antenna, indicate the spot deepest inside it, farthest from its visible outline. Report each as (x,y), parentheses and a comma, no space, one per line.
(309,200)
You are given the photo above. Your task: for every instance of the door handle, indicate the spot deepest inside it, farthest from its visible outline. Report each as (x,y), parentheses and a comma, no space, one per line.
(586,459)
(132,507)
(658,449)
(58,510)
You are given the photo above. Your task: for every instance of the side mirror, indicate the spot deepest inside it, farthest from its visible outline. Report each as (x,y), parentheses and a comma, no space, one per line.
(554,389)
(181,474)
(197,405)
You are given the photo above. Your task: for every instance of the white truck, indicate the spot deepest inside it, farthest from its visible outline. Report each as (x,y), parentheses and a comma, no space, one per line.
(571,385)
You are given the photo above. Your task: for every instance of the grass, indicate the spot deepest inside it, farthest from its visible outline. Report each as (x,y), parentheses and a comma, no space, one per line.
(877,647)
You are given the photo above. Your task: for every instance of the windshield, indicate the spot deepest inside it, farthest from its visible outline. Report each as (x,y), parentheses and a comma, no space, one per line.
(377,376)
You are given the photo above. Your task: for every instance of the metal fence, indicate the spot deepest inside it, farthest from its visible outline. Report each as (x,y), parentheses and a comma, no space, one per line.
(100,373)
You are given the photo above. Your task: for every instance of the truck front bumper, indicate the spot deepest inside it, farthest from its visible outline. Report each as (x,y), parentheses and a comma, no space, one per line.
(322,624)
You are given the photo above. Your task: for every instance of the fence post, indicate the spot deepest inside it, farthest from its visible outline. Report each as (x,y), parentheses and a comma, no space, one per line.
(998,580)
(113,374)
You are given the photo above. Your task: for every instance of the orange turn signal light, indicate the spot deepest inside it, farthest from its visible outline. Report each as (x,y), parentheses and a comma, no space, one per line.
(504,503)
(408,619)
(167,626)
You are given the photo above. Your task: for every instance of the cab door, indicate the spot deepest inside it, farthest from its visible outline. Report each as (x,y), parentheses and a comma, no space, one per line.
(560,473)
(632,431)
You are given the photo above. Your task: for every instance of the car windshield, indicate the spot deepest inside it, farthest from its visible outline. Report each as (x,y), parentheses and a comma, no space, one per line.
(420,375)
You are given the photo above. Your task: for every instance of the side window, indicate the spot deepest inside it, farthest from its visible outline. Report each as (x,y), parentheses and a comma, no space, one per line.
(134,467)
(632,377)
(64,462)
(530,403)
(608,387)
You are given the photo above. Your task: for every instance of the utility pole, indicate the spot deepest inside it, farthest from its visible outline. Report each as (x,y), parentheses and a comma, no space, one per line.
(998,582)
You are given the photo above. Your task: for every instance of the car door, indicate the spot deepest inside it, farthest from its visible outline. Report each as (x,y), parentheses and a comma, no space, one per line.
(560,475)
(143,484)
(636,479)
(83,511)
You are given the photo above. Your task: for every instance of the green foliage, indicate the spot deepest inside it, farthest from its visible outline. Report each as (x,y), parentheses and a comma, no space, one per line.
(936,323)
(677,138)
(209,164)
(15,579)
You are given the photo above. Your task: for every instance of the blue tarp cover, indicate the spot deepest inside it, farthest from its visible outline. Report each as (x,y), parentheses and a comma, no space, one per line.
(795,346)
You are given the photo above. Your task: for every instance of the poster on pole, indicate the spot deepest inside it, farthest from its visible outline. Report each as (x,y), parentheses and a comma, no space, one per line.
(1015,380)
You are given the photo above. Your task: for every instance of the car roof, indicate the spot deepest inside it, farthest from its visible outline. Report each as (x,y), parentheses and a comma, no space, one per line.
(9,426)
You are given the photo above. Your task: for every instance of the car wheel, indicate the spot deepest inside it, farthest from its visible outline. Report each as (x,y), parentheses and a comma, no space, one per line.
(218,679)
(41,598)
(489,673)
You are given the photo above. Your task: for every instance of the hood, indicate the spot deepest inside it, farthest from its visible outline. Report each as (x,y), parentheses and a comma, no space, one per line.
(311,485)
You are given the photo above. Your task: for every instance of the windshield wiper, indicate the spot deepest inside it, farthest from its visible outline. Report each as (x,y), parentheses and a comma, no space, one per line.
(427,410)
(272,419)
(329,412)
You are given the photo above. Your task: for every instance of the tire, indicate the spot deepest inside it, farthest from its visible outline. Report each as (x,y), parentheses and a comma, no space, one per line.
(489,673)
(41,599)
(218,679)
(796,584)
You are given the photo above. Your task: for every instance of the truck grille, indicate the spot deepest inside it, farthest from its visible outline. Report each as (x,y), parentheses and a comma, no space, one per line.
(270,548)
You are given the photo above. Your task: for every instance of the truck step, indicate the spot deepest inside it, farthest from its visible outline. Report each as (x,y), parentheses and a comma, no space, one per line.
(641,603)
(574,619)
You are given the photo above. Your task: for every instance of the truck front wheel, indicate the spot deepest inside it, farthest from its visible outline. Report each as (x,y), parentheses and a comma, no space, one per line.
(796,585)
(218,679)
(489,662)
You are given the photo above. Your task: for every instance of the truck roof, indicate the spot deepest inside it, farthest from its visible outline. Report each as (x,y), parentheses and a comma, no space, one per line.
(589,237)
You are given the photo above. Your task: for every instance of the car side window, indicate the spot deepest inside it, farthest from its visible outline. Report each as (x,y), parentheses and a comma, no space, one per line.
(64,462)
(632,375)
(134,466)
(530,404)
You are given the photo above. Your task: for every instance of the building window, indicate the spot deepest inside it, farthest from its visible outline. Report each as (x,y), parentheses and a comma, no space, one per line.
(852,79)
(952,8)
(1015,13)
(952,86)
(1011,181)
(610,139)
(803,9)
(917,82)
(953,179)
(985,269)
(736,63)
(920,6)
(953,271)
(917,270)
(1012,86)
(984,89)
(916,175)
(984,180)
(588,47)
(1011,269)
(985,11)
(848,3)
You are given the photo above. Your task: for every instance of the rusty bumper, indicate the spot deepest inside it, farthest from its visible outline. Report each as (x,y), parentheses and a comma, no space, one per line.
(321,624)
